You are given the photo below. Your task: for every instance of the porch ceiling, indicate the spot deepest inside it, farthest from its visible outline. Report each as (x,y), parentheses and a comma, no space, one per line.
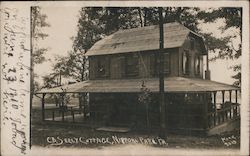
(172,84)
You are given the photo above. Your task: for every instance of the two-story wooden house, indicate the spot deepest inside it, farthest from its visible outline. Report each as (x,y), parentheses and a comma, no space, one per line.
(120,63)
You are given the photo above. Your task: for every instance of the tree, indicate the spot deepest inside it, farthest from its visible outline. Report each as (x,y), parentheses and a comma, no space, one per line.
(224,47)
(74,65)
(97,22)
(50,81)
(38,21)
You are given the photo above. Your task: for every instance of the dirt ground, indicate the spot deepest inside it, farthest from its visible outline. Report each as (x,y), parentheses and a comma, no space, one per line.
(44,134)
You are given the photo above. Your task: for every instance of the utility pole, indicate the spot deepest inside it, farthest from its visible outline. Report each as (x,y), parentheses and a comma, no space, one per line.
(161,77)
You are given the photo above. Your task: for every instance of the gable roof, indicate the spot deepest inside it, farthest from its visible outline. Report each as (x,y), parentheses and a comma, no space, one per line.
(142,39)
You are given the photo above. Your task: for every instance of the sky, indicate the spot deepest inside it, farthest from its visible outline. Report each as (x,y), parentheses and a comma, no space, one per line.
(63,21)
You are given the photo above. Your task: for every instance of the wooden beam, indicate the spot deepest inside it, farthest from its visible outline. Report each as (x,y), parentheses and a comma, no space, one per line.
(223,101)
(215,108)
(43,107)
(236,96)
(205,99)
(230,96)
(85,105)
(223,97)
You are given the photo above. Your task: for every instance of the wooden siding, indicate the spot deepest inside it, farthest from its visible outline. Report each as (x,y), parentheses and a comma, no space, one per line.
(147,65)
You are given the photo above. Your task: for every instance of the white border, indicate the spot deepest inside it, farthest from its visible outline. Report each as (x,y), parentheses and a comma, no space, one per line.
(245,48)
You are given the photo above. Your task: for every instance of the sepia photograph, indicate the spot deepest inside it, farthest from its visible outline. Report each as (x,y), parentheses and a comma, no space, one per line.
(134,80)
(154,76)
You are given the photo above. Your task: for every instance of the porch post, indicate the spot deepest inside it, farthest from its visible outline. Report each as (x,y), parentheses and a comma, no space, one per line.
(230,96)
(215,108)
(236,96)
(43,110)
(62,108)
(205,99)
(230,100)
(84,105)
(223,96)
(236,101)
(223,101)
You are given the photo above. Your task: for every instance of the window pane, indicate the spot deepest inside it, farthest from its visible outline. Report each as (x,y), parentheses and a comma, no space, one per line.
(103,67)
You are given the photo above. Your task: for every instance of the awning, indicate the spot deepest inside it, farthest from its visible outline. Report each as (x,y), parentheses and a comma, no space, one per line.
(172,84)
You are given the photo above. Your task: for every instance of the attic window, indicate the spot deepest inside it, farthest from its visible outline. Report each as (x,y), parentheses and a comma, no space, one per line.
(185,63)
(132,65)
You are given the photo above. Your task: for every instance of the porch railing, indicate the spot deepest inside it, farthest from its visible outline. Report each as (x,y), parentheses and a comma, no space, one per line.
(64,114)
(223,115)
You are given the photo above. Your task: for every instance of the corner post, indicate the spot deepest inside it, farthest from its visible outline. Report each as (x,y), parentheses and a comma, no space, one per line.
(215,108)
(230,96)
(236,96)
(43,107)
(223,105)
(205,97)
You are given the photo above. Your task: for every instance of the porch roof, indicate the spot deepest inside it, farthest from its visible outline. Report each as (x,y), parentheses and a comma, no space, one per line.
(172,84)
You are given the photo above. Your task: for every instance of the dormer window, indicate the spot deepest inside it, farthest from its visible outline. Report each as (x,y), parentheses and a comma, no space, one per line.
(185,63)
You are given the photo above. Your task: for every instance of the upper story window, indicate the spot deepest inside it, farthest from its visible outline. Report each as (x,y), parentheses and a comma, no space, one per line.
(197,64)
(166,63)
(131,65)
(192,43)
(102,66)
(154,64)
(185,62)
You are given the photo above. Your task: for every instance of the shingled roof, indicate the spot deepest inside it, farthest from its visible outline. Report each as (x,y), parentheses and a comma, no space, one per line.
(142,39)
(172,84)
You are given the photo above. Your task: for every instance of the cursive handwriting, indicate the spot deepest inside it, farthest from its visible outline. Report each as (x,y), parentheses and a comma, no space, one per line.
(15,77)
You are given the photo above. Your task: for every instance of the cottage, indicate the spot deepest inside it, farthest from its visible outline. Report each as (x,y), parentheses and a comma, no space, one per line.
(120,64)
